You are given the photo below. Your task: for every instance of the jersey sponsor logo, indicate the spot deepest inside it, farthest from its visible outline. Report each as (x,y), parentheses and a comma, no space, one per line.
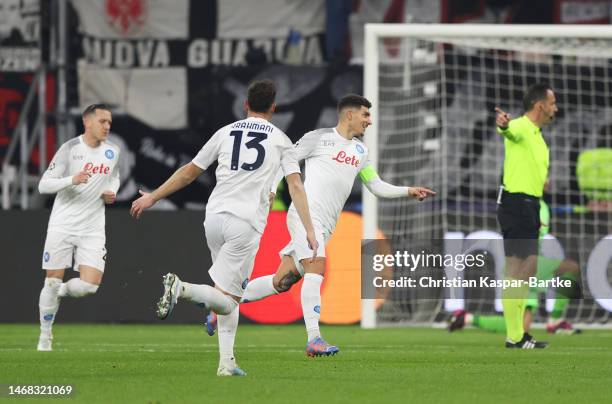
(343,158)
(77,157)
(359,148)
(317,309)
(109,154)
(101,169)
(46,256)
(245,283)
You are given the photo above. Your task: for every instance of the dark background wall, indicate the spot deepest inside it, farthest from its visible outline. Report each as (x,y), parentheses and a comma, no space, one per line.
(139,253)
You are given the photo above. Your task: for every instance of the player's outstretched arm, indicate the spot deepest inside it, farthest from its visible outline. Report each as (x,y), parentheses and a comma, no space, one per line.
(300,201)
(420,193)
(382,189)
(180,179)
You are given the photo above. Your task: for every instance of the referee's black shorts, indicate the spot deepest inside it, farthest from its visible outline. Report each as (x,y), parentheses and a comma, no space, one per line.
(519,218)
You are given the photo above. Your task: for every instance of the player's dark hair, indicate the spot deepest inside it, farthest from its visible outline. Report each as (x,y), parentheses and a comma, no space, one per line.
(261,95)
(535,93)
(91,109)
(353,101)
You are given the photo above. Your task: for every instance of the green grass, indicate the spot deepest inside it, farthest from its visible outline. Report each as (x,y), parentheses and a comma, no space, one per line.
(169,363)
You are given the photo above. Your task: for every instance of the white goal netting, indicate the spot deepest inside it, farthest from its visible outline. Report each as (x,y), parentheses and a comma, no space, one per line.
(435,97)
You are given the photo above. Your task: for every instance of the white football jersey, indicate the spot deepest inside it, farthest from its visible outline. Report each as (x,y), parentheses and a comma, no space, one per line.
(79,209)
(249,152)
(332,163)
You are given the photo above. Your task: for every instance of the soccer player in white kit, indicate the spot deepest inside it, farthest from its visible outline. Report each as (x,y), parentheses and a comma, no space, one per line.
(333,158)
(249,152)
(85,175)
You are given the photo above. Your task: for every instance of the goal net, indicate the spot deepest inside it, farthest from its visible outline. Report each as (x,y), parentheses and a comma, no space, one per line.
(434,89)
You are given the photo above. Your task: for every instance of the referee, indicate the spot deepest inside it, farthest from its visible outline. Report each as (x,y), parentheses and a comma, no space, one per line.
(525,172)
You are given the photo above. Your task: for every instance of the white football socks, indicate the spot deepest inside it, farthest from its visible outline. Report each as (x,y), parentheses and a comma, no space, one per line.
(311,304)
(226,326)
(75,287)
(48,304)
(214,299)
(258,289)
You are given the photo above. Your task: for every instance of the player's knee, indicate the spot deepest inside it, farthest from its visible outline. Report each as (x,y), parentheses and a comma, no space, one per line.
(88,288)
(568,266)
(316,267)
(227,307)
(53,282)
(573,267)
(285,282)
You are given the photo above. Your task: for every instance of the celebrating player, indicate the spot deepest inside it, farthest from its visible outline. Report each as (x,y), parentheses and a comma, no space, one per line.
(249,152)
(333,158)
(85,175)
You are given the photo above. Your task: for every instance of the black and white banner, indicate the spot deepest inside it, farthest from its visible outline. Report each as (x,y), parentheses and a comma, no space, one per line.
(19,35)
(150,57)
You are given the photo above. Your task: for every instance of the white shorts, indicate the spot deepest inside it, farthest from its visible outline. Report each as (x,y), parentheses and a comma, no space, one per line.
(298,247)
(233,244)
(61,247)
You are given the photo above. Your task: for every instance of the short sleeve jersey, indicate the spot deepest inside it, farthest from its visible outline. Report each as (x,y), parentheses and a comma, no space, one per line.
(249,153)
(79,209)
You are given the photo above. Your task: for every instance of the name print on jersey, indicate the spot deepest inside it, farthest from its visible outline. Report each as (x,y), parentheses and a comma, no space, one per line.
(342,158)
(101,169)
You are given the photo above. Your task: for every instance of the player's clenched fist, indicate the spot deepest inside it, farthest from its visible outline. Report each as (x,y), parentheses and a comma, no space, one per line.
(502,118)
(109,197)
(81,177)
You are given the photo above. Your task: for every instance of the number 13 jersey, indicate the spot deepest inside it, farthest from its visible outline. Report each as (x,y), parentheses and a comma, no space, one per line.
(249,152)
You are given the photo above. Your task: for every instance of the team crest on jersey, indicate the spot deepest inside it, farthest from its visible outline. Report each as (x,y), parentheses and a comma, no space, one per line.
(359,148)
(244,283)
(109,154)
(46,256)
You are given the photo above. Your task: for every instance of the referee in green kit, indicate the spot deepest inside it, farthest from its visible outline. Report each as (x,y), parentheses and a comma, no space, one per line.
(525,172)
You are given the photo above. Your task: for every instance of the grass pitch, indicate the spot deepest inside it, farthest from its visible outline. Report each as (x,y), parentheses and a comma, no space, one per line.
(170,363)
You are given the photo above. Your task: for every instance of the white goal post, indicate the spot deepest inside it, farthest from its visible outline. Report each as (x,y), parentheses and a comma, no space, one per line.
(432,87)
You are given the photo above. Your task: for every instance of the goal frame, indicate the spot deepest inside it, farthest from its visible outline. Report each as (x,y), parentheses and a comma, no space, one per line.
(373,34)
